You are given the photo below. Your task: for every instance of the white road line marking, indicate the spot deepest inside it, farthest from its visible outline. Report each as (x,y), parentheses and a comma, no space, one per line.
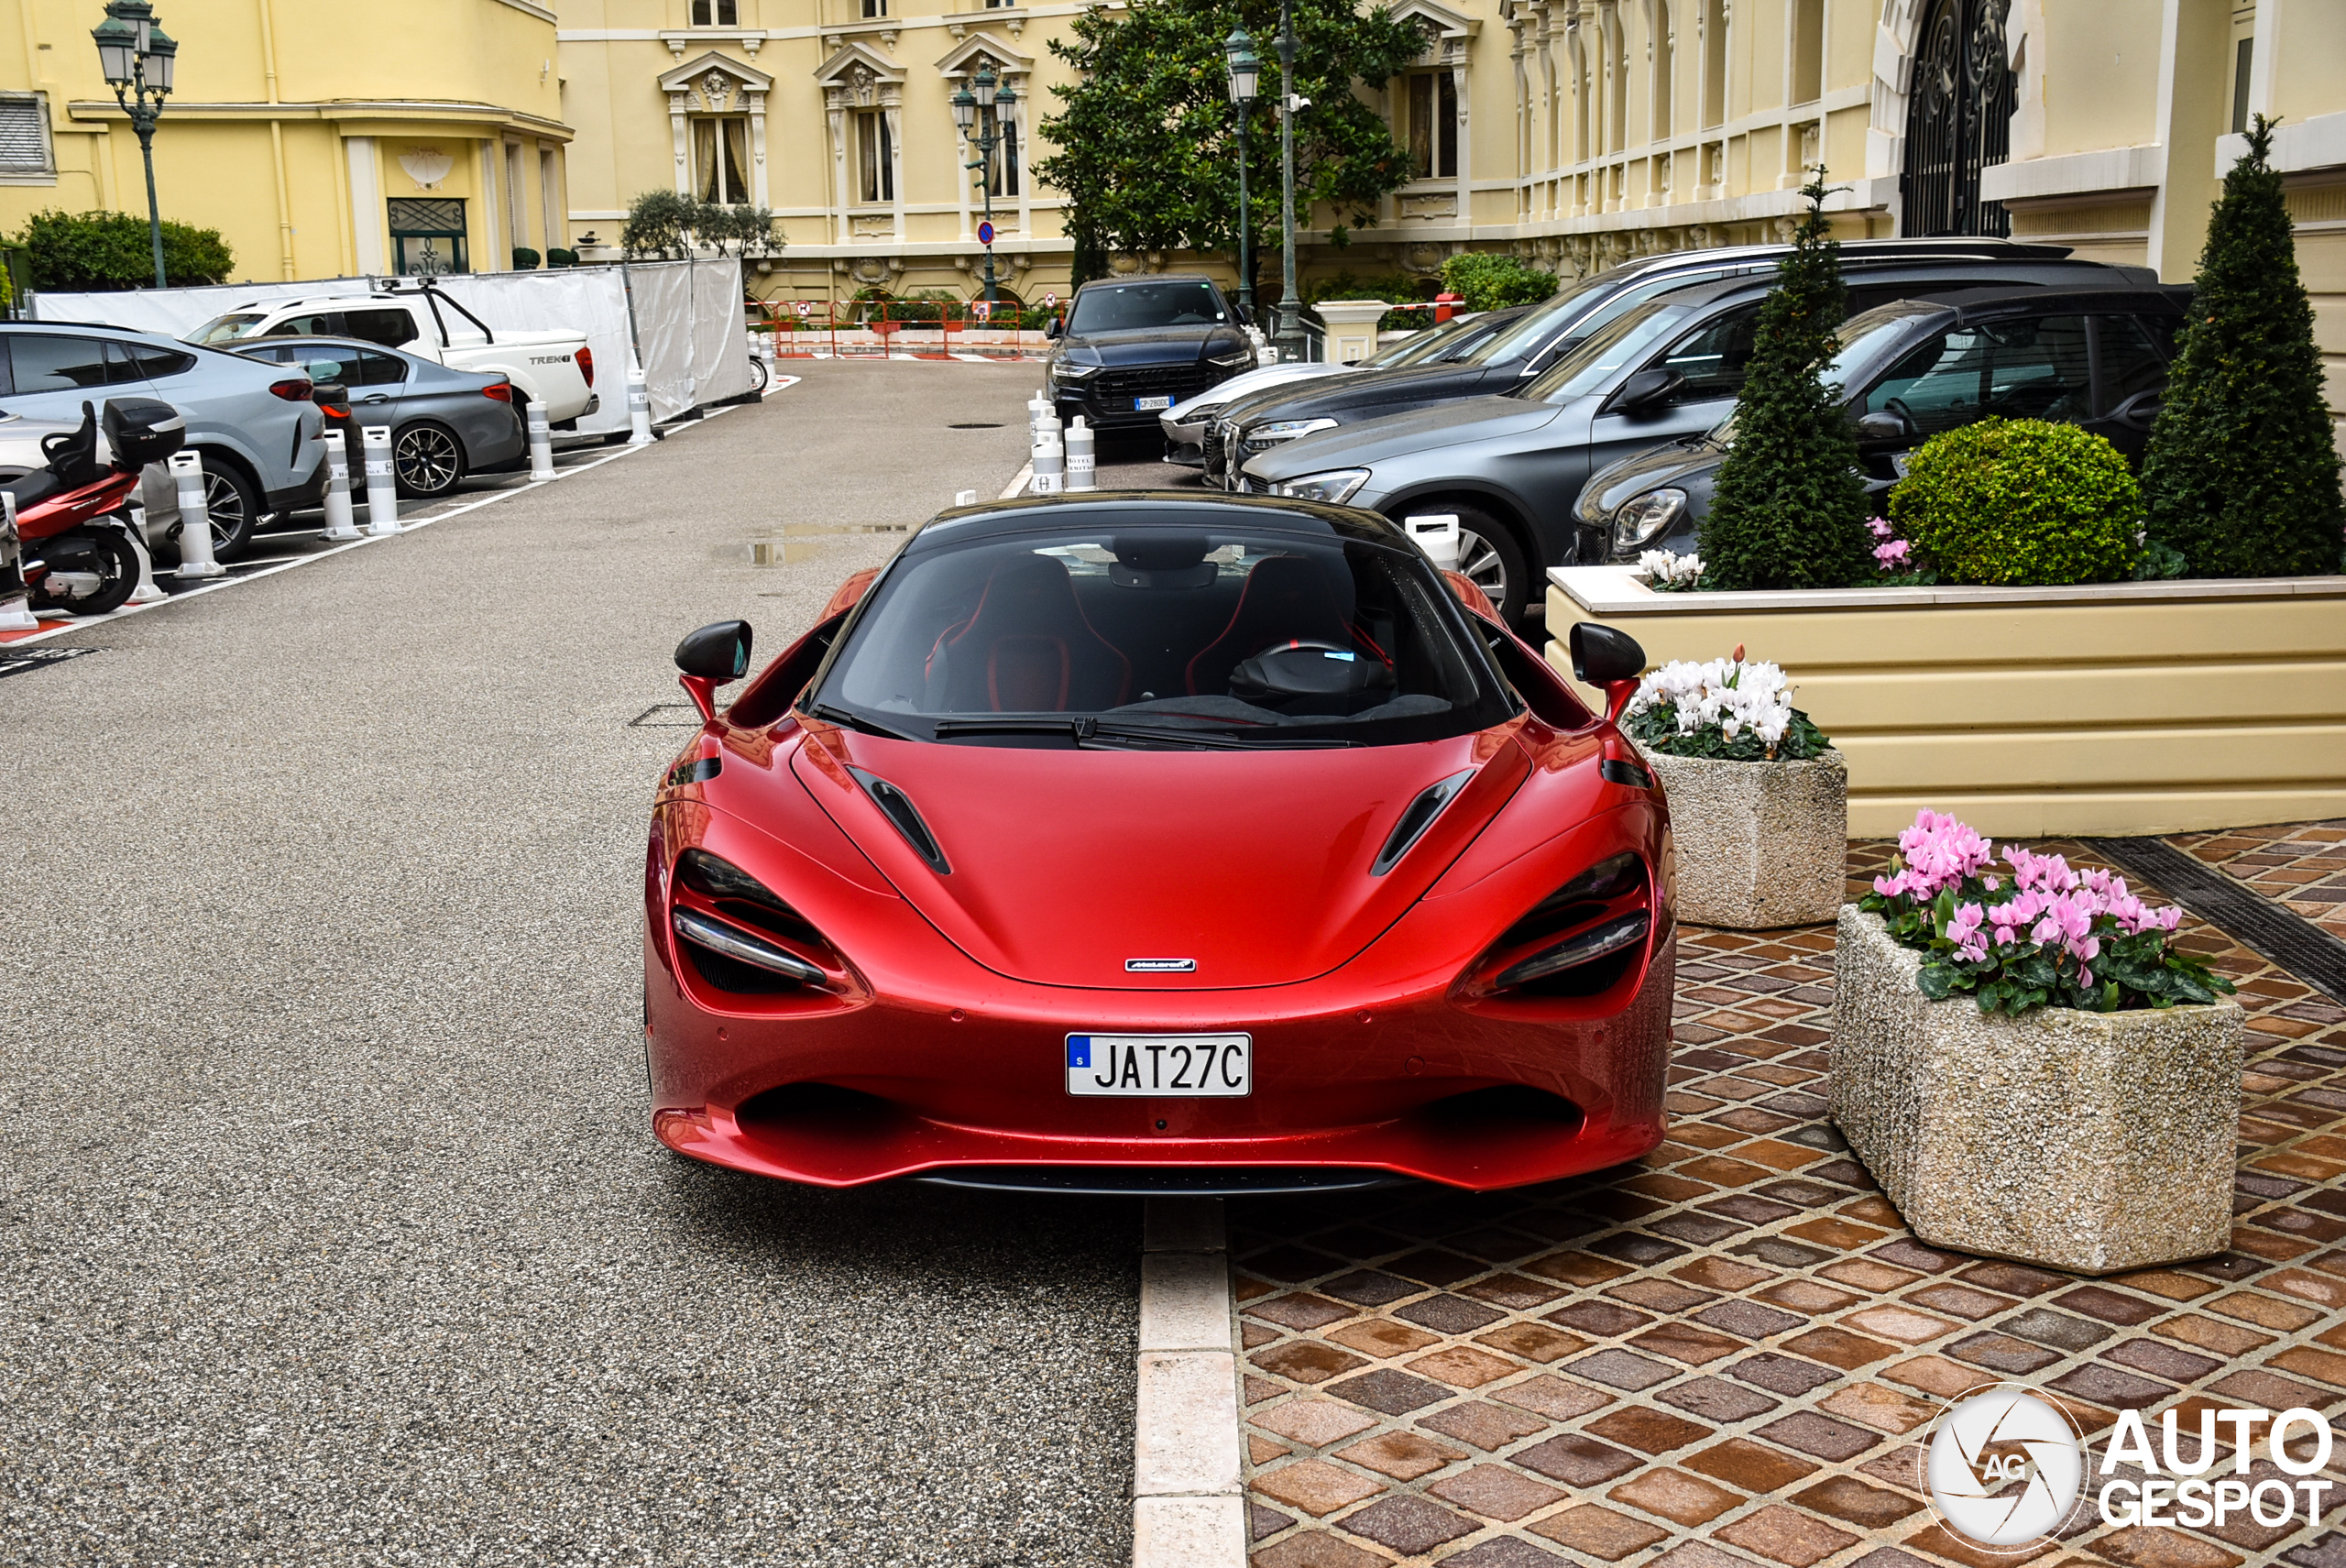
(974,358)
(1018,485)
(1188,1497)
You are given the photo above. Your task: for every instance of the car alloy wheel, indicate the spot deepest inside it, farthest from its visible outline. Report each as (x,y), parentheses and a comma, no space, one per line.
(224,503)
(1480,561)
(427,460)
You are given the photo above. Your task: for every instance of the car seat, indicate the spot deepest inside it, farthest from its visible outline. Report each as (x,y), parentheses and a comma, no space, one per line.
(1285,597)
(1027,648)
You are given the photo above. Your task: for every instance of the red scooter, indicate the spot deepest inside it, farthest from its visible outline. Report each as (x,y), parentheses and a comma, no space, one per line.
(73,523)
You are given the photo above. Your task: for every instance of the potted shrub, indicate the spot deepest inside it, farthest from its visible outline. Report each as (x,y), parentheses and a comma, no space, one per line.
(1759,799)
(2017,501)
(2028,1065)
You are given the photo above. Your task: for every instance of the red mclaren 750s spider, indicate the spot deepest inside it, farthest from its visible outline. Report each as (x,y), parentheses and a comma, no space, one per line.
(1158,843)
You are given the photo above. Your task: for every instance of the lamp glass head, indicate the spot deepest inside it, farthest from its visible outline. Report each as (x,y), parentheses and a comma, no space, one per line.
(162,54)
(118,43)
(965,108)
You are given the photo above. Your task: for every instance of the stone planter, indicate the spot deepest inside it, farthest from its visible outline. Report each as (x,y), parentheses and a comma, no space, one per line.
(2090,1142)
(1760,844)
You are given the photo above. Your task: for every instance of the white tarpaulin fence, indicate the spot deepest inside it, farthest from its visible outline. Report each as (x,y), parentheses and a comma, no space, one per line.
(688,318)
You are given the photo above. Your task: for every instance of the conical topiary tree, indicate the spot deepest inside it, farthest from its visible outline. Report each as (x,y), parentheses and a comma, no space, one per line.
(2241,474)
(1790,506)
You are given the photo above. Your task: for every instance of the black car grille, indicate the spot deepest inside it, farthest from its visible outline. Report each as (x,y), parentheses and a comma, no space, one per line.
(1211,441)
(1118,387)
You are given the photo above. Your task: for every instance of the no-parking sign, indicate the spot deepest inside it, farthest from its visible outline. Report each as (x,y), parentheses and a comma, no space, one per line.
(985,234)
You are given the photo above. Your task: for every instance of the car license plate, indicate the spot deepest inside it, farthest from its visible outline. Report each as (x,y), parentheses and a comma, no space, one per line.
(1161,1066)
(1144,404)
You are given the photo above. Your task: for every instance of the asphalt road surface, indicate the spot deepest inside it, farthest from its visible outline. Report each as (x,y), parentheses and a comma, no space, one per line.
(330,1227)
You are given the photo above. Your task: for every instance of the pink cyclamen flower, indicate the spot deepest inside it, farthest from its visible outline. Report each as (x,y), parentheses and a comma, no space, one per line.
(1879,526)
(1893,553)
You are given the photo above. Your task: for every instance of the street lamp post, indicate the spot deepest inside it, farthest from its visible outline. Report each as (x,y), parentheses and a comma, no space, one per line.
(1245,75)
(137,57)
(986,141)
(1289,336)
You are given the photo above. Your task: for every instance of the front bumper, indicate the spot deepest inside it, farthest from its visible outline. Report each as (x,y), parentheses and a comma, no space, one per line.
(937,1063)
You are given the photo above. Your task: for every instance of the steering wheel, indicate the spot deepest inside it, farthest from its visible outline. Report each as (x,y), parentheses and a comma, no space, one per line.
(1900,407)
(1313,645)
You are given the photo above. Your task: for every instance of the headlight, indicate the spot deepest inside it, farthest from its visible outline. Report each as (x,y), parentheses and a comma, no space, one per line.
(1641,519)
(1234,361)
(1066,371)
(1337,487)
(1261,437)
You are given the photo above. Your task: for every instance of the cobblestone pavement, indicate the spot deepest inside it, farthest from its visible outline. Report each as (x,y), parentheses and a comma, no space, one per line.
(2300,865)
(1728,1353)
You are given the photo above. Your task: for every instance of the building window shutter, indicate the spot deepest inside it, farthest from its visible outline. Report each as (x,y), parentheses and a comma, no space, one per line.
(23,137)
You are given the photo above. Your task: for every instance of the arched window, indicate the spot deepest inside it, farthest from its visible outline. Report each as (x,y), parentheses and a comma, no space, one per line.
(1958,120)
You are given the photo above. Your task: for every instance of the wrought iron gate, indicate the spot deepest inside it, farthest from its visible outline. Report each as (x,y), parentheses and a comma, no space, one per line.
(1959,118)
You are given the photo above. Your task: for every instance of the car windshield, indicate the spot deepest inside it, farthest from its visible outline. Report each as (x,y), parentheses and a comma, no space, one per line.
(1535,326)
(1164,635)
(1138,307)
(227,328)
(1627,341)
(1421,348)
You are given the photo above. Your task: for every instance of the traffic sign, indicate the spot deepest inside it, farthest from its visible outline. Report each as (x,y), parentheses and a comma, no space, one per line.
(985,234)
(805,307)
(1050,299)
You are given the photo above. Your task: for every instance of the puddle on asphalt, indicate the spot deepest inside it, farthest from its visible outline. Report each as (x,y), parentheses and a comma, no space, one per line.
(796,542)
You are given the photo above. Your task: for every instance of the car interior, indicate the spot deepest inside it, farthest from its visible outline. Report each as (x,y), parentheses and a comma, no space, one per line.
(1166,625)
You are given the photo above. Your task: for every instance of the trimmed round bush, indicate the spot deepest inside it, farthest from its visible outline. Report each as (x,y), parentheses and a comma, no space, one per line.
(2022,502)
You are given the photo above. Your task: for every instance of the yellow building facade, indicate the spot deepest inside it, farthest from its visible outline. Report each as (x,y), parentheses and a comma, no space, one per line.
(321,137)
(322,140)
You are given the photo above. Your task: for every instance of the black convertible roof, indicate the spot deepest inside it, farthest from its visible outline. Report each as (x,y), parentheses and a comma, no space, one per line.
(1187,509)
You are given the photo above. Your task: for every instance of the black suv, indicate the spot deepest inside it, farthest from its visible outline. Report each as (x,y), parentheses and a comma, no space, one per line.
(2093,358)
(1131,348)
(1253,425)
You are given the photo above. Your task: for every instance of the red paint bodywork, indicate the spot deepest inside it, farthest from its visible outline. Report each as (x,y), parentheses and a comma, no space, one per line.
(1367,996)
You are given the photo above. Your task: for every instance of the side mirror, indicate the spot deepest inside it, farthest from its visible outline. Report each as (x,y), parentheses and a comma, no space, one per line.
(1882,429)
(1054,327)
(1605,657)
(1643,392)
(1238,313)
(711,657)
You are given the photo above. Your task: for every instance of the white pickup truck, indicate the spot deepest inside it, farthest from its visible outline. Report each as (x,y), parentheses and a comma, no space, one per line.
(554,369)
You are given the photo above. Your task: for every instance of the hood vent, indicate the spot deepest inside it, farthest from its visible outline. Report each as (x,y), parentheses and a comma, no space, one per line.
(1417,820)
(897,806)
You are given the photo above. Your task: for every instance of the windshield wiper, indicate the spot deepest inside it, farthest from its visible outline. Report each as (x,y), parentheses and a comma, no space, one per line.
(1151,732)
(847,720)
(1073,728)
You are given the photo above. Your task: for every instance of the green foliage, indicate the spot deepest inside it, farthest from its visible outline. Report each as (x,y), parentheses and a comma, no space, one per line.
(671,226)
(2021,501)
(1146,143)
(525,260)
(115,250)
(557,257)
(1789,507)
(1487,280)
(2241,475)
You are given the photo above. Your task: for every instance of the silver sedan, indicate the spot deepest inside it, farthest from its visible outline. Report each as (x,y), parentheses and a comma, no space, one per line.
(444,423)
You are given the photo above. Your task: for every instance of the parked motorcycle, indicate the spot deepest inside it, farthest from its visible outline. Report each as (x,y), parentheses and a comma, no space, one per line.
(73,523)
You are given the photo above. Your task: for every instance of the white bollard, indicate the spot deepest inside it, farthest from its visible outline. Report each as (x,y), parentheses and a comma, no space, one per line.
(195,519)
(340,524)
(1050,466)
(149,590)
(540,445)
(639,407)
(965,498)
(1039,408)
(1437,534)
(382,494)
(1082,457)
(15,599)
